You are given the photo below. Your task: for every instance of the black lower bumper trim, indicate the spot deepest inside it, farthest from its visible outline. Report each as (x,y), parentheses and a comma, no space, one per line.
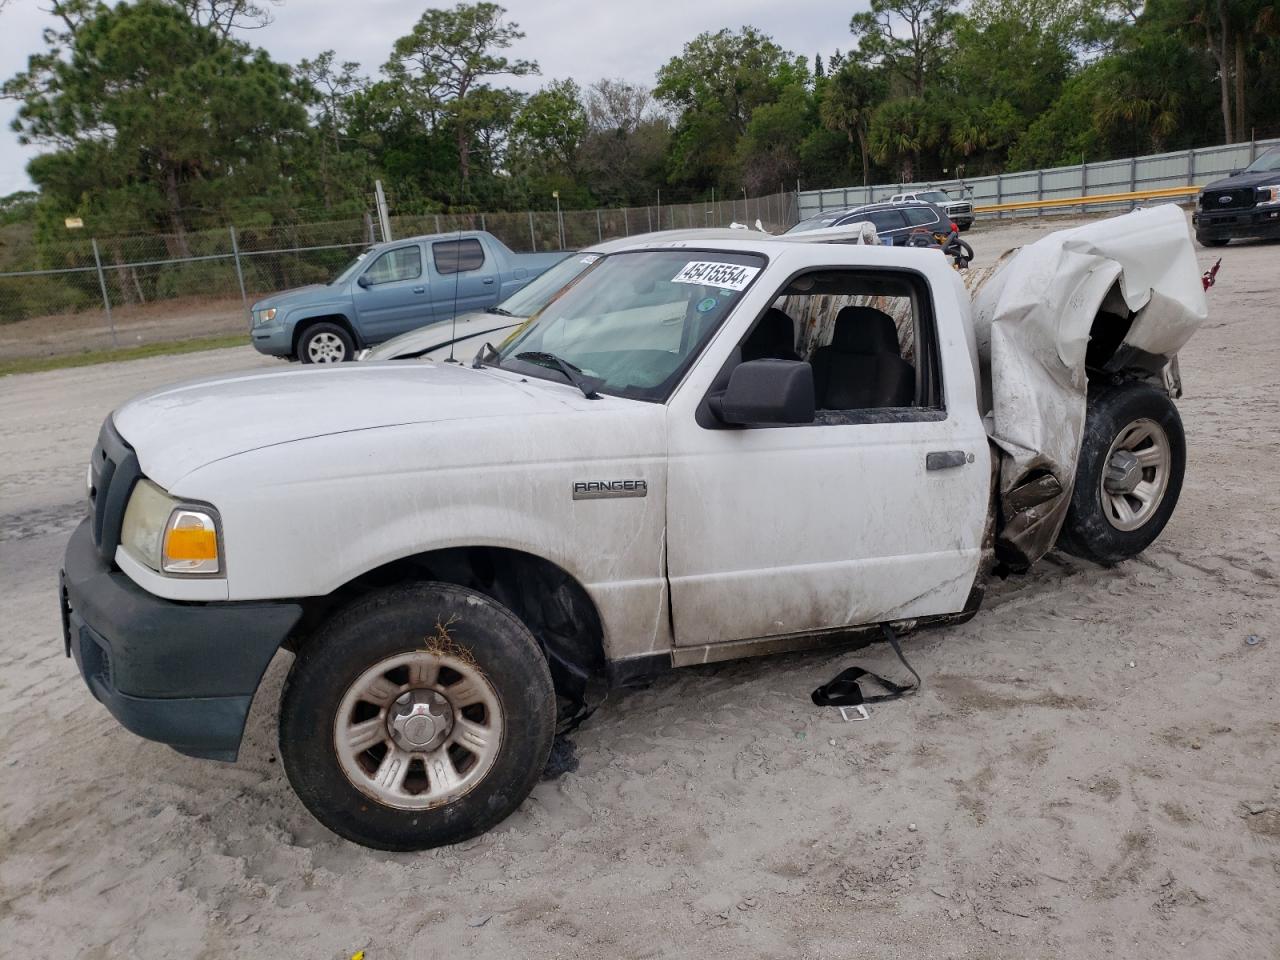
(179,673)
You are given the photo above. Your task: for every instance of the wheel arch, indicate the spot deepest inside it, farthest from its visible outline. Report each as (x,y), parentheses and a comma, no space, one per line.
(302,324)
(549,600)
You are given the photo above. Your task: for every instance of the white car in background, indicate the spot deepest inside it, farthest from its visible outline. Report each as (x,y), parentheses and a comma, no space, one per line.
(960,211)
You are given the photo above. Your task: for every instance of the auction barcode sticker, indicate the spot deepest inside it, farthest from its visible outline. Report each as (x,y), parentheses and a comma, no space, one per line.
(726,276)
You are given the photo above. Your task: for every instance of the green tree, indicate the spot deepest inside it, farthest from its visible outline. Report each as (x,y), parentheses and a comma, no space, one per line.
(901,131)
(848,102)
(445,61)
(715,85)
(144,139)
(918,53)
(550,126)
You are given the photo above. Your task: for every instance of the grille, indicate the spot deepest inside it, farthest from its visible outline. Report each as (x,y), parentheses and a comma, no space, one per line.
(1238,199)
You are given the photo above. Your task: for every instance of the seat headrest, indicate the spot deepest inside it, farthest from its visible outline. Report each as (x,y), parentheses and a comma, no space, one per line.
(775,332)
(865,330)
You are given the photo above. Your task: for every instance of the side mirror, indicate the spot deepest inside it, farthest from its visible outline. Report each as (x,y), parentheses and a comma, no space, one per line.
(364,281)
(1235,173)
(766,391)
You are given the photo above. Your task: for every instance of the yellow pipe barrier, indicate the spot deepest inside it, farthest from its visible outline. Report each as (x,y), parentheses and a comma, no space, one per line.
(1085,201)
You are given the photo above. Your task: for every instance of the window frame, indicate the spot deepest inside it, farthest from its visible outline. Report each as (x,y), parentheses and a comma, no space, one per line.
(930,386)
(368,271)
(458,242)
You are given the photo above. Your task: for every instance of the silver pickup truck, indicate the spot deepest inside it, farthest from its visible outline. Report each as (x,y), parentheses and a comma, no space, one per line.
(390,288)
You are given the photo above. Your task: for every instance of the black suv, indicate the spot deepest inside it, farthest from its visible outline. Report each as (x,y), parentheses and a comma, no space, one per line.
(1246,204)
(894,222)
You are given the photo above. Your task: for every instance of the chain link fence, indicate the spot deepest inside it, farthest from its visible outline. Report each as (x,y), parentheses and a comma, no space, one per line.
(92,293)
(1182,168)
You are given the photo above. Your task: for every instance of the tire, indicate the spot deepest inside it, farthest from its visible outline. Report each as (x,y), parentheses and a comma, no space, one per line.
(1140,420)
(1212,241)
(349,685)
(964,227)
(325,343)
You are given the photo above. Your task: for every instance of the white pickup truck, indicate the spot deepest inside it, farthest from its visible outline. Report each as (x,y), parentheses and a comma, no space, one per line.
(703,449)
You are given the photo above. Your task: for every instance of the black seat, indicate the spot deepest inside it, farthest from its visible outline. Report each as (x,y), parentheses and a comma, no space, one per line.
(774,338)
(862,368)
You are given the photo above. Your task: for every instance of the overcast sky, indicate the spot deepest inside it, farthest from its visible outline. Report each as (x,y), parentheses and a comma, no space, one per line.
(585,41)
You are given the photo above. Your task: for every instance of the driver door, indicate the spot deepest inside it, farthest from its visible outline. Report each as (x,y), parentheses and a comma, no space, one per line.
(779,530)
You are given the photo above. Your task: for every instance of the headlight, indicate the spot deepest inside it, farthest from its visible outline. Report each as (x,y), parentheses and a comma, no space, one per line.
(168,535)
(263,316)
(1268,195)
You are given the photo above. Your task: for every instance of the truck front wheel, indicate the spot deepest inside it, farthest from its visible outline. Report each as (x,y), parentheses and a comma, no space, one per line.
(1128,476)
(325,343)
(419,716)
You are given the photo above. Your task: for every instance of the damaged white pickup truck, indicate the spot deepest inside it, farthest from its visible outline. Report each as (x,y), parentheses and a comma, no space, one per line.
(702,449)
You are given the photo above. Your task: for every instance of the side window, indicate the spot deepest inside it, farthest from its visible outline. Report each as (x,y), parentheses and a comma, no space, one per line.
(404,263)
(920,216)
(887,219)
(870,338)
(457,256)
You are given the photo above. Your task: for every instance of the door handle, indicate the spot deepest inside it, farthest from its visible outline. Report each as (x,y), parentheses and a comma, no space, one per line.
(488,281)
(946,459)
(419,289)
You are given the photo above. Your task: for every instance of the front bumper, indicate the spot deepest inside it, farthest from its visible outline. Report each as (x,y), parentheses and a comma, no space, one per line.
(179,673)
(1260,222)
(275,340)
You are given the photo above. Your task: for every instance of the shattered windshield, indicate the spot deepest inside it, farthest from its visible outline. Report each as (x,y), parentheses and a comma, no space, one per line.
(634,321)
(1266,163)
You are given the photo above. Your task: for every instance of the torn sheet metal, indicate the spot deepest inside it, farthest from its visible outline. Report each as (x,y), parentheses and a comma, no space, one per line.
(1033,313)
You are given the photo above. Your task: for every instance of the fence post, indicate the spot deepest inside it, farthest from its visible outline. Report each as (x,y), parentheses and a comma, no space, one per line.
(235,252)
(533,240)
(1191,168)
(482,226)
(1084,183)
(106,300)
(599,229)
(648,212)
(626,223)
(1133,180)
(999,195)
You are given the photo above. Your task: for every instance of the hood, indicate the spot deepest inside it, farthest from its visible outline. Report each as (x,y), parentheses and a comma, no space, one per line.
(1267,178)
(180,428)
(301,296)
(424,340)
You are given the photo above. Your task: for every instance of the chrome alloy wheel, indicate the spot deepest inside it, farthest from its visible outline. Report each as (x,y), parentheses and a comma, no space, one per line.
(1136,475)
(326,348)
(418,730)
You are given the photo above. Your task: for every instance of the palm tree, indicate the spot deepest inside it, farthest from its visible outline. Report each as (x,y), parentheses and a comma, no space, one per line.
(847,105)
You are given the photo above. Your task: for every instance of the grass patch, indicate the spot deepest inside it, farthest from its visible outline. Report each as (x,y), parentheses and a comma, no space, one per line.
(90,357)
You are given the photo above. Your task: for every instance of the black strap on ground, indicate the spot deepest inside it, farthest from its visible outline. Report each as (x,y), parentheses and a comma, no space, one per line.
(844,691)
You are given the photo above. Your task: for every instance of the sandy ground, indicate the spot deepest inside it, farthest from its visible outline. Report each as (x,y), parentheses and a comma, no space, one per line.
(1074,781)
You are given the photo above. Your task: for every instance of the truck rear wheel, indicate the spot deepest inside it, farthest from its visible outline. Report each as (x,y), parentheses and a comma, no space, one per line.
(1129,474)
(419,716)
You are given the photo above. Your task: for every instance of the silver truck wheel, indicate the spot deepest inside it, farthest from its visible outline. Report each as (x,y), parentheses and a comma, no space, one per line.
(418,730)
(1136,475)
(1129,473)
(325,343)
(418,716)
